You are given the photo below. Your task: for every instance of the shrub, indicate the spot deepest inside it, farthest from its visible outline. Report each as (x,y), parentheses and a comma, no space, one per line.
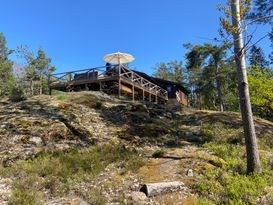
(159,153)
(231,188)
(59,171)
(61,97)
(219,132)
(17,94)
(230,184)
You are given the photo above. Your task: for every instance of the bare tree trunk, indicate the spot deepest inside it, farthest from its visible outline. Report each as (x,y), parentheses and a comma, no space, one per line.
(219,90)
(253,160)
(41,84)
(220,96)
(31,87)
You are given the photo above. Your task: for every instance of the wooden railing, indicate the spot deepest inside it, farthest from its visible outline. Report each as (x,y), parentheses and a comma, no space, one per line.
(145,84)
(66,79)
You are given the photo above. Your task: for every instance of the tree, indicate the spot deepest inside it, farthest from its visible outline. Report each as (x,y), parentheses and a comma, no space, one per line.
(42,65)
(204,63)
(177,71)
(6,74)
(262,11)
(233,24)
(271,39)
(30,73)
(263,14)
(36,68)
(257,58)
(162,71)
(172,71)
(261,91)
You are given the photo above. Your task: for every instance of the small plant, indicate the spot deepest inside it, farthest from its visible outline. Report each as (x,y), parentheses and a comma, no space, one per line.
(61,97)
(159,153)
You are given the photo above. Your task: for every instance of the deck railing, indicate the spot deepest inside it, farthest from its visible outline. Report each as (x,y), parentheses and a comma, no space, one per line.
(66,79)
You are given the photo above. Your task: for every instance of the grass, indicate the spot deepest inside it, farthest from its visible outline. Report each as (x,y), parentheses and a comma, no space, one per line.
(56,173)
(61,97)
(230,184)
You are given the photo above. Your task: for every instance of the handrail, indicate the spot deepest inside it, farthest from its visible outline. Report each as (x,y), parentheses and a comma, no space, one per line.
(67,78)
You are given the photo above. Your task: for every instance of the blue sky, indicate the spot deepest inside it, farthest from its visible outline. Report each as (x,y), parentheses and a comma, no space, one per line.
(77,34)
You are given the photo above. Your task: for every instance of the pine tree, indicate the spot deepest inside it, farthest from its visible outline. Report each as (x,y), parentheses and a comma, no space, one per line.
(257,58)
(204,63)
(162,71)
(6,73)
(232,24)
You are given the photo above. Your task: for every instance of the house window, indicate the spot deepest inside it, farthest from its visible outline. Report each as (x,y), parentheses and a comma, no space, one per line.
(169,89)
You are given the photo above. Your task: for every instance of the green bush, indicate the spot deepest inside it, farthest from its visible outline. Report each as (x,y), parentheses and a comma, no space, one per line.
(231,188)
(230,184)
(60,171)
(219,132)
(21,195)
(61,97)
(159,153)
(17,94)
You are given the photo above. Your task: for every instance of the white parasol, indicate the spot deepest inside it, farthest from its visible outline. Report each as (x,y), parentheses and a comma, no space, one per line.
(118,58)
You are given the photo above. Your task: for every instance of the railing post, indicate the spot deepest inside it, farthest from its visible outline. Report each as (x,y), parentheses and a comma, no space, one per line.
(133,87)
(150,96)
(119,81)
(156,97)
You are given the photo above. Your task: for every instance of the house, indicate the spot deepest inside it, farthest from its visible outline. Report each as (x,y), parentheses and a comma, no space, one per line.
(121,82)
(177,93)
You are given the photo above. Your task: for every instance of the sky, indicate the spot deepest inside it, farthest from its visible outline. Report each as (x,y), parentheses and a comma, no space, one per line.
(77,34)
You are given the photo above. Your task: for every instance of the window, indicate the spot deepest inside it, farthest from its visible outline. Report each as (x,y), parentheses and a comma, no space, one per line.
(169,89)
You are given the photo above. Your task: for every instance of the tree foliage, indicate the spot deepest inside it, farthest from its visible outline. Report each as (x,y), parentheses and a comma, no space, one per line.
(209,71)
(172,71)
(36,70)
(261,91)
(6,74)
(257,58)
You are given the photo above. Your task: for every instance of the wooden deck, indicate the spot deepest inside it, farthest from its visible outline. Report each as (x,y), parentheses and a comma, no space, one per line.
(119,80)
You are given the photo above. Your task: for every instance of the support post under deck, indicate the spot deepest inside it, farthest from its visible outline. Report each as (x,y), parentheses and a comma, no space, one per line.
(150,95)
(119,87)
(133,90)
(119,81)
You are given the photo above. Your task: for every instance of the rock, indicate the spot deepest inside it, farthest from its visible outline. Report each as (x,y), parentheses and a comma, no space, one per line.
(5,190)
(36,140)
(190,173)
(138,197)
(189,136)
(139,108)
(67,201)
(3,126)
(267,199)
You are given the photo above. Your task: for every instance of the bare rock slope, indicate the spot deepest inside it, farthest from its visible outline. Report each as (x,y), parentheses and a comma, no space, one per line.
(78,121)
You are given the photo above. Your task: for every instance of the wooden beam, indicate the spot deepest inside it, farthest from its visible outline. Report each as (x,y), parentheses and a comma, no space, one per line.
(133,90)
